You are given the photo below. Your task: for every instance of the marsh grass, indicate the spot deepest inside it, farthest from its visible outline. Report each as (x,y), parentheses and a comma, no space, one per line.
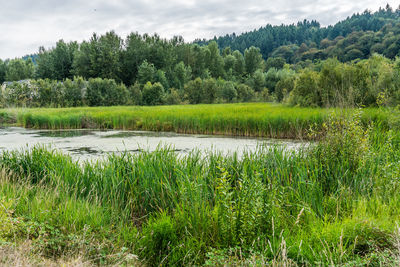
(250,119)
(322,205)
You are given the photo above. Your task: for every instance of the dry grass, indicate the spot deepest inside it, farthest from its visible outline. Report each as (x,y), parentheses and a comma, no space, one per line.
(21,255)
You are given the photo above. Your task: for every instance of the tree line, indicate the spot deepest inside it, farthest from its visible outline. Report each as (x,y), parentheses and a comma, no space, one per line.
(354,68)
(138,58)
(106,92)
(328,83)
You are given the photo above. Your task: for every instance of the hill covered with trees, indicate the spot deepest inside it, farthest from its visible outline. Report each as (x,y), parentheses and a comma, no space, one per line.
(308,37)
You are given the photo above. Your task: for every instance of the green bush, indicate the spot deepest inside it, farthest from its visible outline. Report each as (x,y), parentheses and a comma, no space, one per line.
(244,93)
(159,240)
(105,92)
(152,94)
(173,97)
(135,93)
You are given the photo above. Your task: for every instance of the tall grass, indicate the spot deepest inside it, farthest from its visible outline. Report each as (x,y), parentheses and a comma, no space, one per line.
(323,205)
(251,119)
(245,119)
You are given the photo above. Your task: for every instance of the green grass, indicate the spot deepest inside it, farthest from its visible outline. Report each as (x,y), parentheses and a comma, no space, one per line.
(250,119)
(335,203)
(245,119)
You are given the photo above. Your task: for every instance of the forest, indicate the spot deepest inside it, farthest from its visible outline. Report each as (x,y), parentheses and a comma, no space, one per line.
(352,63)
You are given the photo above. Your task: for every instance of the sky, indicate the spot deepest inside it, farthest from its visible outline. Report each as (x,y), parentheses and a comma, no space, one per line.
(25,24)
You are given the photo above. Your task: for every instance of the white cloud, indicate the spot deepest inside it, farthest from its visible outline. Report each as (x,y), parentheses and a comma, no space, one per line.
(26,24)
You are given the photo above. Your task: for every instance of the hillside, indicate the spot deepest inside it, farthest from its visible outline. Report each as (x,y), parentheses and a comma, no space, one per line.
(308,37)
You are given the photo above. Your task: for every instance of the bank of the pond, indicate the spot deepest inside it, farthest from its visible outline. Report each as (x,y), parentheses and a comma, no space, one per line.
(244,119)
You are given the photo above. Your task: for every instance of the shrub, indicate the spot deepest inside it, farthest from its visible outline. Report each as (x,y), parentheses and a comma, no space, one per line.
(244,93)
(135,93)
(74,91)
(152,94)
(306,91)
(159,240)
(106,92)
(194,91)
(229,92)
(209,90)
(173,98)
(345,145)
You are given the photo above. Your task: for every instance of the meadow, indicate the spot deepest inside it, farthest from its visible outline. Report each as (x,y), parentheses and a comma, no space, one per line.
(244,119)
(335,203)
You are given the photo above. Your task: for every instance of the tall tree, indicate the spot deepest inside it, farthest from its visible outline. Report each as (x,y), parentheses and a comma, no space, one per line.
(62,57)
(146,73)
(214,61)
(253,60)
(100,57)
(2,71)
(18,69)
(45,66)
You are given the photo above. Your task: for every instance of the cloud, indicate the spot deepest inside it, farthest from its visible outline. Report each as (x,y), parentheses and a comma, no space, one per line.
(25,25)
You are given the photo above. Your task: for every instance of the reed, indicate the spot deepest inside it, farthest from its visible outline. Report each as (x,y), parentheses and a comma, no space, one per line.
(250,119)
(334,203)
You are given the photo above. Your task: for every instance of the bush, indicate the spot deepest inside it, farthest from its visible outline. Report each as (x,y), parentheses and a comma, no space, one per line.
(194,91)
(152,94)
(18,94)
(244,93)
(173,98)
(306,91)
(159,240)
(283,88)
(209,90)
(106,92)
(346,144)
(74,91)
(229,92)
(135,95)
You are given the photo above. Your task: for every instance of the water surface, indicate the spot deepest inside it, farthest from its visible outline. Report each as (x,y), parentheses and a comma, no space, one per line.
(95,144)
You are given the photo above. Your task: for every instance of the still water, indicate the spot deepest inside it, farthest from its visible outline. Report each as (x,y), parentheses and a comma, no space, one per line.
(95,144)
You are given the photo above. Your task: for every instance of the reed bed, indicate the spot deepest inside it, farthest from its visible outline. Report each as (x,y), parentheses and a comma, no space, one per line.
(335,203)
(245,119)
(249,119)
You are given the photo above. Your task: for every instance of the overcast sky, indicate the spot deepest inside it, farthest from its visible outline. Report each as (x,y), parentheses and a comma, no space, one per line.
(26,24)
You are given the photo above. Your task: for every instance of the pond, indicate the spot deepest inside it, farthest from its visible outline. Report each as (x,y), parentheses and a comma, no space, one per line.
(94,144)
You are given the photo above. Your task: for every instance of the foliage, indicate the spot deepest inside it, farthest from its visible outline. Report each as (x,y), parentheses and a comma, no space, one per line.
(152,94)
(347,70)
(308,39)
(18,69)
(315,206)
(105,92)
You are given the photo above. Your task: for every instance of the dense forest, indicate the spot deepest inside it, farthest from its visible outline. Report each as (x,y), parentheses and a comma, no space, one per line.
(351,63)
(297,42)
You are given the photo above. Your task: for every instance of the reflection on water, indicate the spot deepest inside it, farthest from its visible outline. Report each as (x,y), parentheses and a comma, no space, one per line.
(63,134)
(84,150)
(93,144)
(127,134)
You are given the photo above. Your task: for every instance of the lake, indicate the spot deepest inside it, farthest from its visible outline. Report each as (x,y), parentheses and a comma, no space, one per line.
(95,144)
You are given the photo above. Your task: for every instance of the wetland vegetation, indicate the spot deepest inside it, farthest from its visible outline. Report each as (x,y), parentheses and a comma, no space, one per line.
(244,119)
(333,203)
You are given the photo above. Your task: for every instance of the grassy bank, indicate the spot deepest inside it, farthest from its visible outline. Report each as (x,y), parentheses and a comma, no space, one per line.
(336,203)
(251,119)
